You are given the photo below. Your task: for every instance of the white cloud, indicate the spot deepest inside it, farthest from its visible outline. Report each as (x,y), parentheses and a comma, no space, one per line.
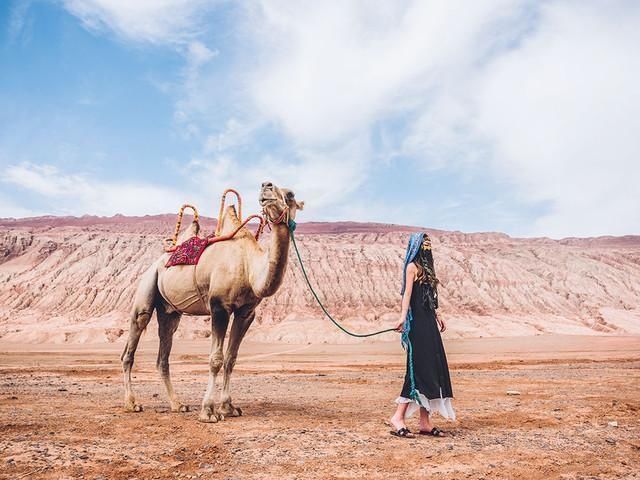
(198,54)
(540,95)
(562,113)
(77,194)
(329,69)
(18,20)
(154,21)
(323,179)
(556,116)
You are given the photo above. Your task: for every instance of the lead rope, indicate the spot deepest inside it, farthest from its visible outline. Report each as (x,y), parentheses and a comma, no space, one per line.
(405,336)
(292,227)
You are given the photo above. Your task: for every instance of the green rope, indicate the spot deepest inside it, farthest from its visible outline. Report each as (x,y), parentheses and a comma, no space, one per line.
(292,227)
(414,393)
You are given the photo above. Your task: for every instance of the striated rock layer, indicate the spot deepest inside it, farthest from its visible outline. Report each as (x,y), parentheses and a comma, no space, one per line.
(68,279)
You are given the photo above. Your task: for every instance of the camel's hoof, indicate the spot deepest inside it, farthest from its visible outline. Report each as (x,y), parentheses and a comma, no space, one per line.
(206,417)
(181,409)
(236,412)
(231,411)
(136,407)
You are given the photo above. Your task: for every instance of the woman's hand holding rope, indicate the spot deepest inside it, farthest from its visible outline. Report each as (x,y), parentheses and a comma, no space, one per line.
(399,326)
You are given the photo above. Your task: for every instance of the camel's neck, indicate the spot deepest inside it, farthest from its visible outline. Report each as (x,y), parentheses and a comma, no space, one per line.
(269,268)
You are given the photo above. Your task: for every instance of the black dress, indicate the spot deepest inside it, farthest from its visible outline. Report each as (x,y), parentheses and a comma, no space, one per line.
(430,368)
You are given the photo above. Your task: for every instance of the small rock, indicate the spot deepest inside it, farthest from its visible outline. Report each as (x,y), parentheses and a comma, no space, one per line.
(62,389)
(612,424)
(513,392)
(611,441)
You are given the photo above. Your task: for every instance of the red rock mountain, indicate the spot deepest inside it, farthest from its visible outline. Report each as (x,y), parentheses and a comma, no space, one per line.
(73,279)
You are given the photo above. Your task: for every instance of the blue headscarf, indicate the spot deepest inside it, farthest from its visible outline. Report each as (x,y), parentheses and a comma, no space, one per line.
(413,247)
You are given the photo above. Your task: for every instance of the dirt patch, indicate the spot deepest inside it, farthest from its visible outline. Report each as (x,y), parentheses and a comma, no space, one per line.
(307,416)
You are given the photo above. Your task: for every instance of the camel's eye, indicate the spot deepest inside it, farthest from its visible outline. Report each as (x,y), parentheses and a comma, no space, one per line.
(290,195)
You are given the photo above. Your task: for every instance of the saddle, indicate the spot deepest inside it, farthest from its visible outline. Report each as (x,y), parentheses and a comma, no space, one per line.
(190,251)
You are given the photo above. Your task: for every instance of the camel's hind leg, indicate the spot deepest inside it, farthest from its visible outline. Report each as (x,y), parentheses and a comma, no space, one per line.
(167,326)
(219,323)
(144,304)
(242,320)
(139,321)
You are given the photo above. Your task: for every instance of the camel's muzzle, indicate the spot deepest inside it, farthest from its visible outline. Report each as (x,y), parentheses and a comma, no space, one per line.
(267,194)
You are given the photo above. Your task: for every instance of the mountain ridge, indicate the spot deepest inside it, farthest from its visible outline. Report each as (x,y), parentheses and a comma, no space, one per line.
(73,278)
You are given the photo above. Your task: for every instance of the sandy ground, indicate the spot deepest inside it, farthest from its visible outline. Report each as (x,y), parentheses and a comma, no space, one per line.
(317,411)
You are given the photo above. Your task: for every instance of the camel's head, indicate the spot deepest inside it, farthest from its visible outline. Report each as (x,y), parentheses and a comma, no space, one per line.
(276,201)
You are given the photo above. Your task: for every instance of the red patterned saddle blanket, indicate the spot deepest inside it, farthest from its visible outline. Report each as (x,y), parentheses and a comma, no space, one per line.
(189,252)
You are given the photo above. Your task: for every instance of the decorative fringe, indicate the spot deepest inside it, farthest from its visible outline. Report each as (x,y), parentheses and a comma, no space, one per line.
(406,344)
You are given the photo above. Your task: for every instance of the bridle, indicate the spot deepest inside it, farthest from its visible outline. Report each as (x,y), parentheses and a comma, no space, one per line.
(282,218)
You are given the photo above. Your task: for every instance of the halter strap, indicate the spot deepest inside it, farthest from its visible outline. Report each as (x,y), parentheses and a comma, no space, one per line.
(283,218)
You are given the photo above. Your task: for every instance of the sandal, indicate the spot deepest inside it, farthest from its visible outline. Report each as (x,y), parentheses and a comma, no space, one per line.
(434,432)
(403,432)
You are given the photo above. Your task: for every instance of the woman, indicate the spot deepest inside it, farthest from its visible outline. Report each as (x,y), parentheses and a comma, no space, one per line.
(427,385)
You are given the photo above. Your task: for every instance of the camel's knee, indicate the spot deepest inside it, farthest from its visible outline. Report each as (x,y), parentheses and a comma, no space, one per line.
(215,364)
(141,319)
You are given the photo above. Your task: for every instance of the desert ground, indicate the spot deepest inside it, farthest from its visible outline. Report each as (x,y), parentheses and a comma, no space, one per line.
(318,411)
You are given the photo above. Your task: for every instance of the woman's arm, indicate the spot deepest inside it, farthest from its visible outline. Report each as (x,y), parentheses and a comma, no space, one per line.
(406,298)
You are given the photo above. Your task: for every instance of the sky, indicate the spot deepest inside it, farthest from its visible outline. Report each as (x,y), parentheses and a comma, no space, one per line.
(515,116)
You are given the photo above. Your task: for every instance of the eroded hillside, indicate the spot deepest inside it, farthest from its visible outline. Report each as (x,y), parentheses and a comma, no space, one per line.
(73,279)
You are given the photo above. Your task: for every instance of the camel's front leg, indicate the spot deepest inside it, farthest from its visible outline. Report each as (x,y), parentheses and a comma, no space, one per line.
(242,320)
(219,323)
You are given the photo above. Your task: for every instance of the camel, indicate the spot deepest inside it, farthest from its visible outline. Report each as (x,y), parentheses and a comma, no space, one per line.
(231,277)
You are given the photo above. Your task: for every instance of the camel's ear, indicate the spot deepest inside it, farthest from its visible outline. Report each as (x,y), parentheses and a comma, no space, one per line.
(300,205)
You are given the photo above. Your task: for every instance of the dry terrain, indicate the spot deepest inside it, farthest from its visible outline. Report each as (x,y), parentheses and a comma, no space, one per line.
(72,280)
(555,320)
(317,410)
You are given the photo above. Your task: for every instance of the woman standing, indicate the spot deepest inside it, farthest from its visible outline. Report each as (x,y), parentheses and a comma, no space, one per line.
(427,385)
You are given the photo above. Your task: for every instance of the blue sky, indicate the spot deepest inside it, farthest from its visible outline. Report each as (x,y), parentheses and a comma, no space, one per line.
(511,116)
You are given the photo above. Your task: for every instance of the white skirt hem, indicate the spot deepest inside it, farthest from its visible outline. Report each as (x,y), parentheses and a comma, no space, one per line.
(433,405)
